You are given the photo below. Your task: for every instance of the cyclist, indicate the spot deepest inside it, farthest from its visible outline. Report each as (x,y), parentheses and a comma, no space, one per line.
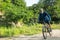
(44,17)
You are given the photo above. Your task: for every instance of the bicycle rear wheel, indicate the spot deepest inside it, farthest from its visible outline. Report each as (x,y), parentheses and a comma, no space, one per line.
(49,31)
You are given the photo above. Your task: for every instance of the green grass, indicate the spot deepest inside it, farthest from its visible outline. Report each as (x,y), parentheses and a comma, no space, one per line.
(24,30)
(55,26)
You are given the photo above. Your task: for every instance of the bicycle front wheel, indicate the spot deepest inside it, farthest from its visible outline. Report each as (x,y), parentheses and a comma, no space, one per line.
(44,32)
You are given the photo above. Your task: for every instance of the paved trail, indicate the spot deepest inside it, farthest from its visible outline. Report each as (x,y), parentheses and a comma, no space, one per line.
(55,36)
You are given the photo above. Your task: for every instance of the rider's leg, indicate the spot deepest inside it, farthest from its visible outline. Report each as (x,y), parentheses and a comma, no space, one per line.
(50,27)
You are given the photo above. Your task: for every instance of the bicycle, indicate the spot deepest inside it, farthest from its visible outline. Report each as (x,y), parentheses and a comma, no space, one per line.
(45,30)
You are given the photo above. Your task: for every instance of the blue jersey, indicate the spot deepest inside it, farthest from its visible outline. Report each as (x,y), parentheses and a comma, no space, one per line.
(44,17)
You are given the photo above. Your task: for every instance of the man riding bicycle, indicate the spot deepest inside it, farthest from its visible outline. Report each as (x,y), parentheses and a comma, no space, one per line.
(45,18)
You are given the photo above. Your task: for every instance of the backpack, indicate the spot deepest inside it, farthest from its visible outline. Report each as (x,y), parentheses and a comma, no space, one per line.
(47,18)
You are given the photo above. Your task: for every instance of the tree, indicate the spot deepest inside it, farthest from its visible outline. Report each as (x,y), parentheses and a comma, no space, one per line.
(14,9)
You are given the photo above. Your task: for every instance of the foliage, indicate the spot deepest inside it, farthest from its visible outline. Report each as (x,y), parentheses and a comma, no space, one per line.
(15,31)
(14,11)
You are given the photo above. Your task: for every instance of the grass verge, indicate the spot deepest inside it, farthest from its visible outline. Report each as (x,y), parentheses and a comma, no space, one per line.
(25,30)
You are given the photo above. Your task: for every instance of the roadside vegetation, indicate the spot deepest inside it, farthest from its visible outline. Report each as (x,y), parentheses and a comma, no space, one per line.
(18,19)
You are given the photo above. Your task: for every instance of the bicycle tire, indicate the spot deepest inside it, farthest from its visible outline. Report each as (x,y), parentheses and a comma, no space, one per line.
(44,32)
(48,30)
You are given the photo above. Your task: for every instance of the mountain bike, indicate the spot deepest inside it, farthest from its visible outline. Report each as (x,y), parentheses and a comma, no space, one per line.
(45,30)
